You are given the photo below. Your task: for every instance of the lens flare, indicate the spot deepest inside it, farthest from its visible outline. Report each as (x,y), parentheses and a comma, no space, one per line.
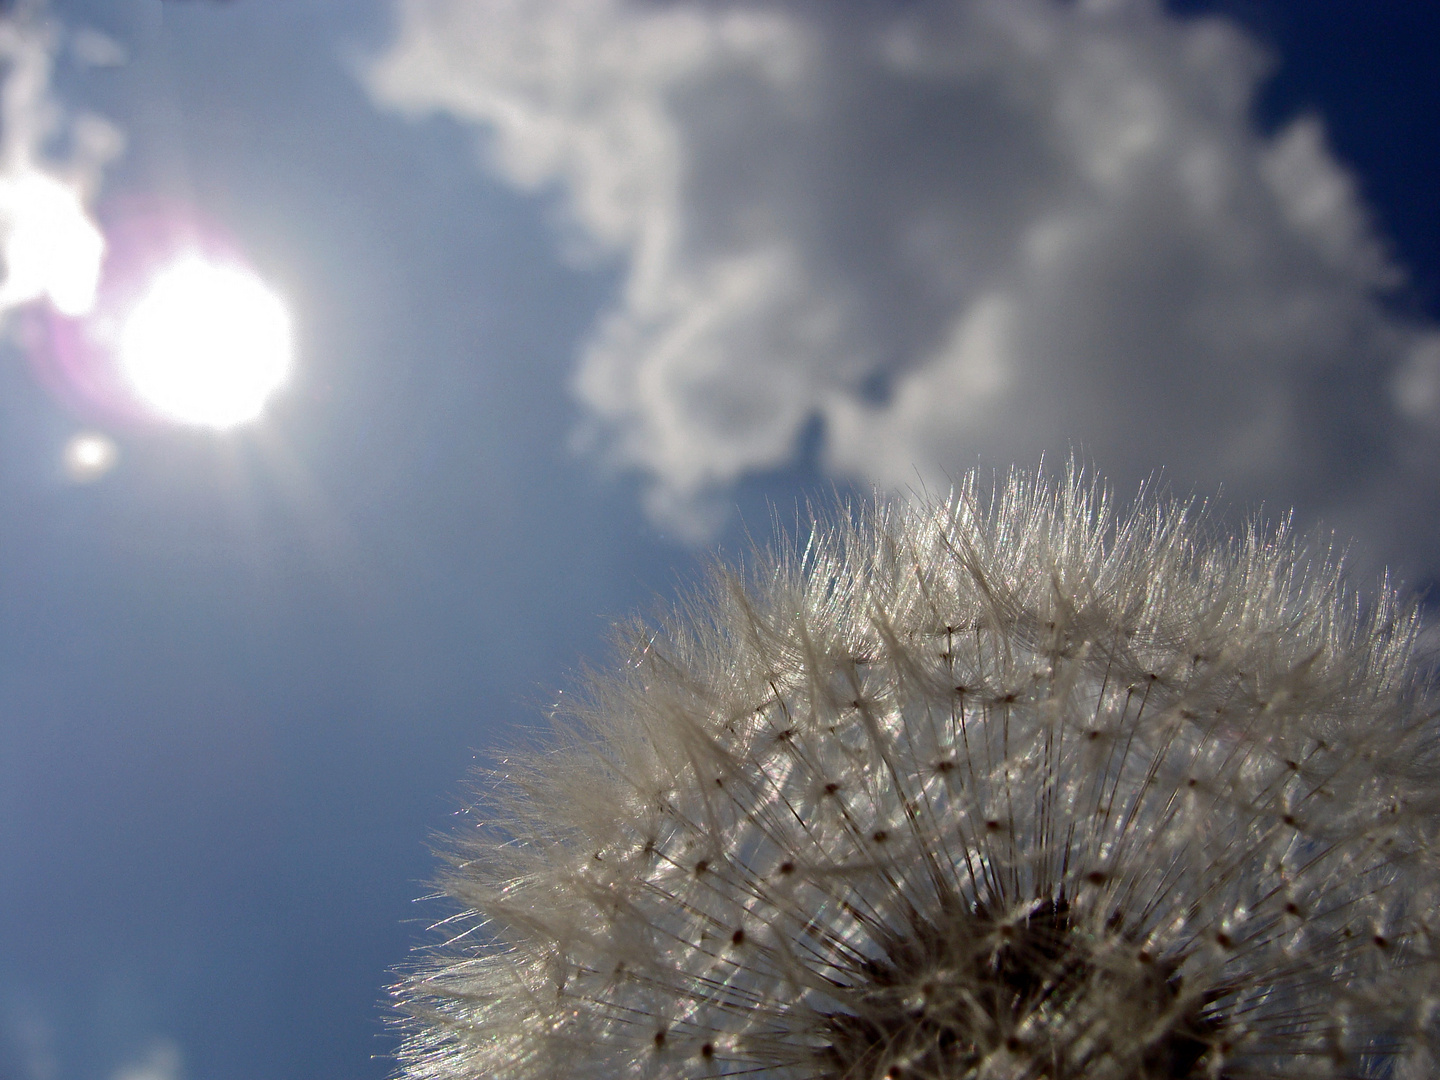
(207,344)
(89,456)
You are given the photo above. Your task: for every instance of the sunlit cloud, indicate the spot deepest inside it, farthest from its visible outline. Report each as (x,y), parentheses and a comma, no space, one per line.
(29,1037)
(89,456)
(160,1061)
(52,246)
(94,49)
(941,231)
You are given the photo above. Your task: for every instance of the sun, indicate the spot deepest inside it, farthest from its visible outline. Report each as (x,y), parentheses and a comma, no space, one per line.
(207,344)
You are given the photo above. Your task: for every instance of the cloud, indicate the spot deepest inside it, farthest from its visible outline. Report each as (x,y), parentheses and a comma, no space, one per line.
(29,1038)
(51,246)
(982,228)
(28,1046)
(160,1061)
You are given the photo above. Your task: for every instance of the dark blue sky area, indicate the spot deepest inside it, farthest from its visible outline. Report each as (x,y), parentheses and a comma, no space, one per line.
(1370,72)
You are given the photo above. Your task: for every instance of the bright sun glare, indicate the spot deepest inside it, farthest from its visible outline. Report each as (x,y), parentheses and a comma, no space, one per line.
(207,344)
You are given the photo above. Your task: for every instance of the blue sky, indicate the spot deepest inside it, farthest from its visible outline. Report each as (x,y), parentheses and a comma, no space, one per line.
(582,292)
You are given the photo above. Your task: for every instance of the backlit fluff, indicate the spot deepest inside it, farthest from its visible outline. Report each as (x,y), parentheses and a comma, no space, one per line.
(994,789)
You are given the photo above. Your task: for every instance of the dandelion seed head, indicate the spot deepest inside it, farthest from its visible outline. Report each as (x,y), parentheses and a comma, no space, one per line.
(995,788)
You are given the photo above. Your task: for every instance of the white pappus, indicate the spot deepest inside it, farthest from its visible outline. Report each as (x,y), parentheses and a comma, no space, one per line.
(1001,787)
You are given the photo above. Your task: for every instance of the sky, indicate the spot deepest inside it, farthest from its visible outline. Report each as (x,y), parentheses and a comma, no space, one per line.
(575,294)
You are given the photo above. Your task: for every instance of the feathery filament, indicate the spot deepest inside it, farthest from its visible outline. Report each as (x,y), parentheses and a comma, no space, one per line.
(1012,790)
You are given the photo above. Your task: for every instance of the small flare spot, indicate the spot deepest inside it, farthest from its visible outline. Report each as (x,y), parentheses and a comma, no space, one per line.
(89,456)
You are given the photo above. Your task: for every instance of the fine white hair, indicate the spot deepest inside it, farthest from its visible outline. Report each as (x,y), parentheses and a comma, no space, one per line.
(1006,786)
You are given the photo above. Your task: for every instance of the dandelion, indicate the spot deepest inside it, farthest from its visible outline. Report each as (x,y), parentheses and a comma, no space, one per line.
(997,789)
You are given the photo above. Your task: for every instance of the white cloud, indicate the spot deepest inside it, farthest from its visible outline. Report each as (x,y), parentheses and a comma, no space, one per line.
(947,230)
(94,49)
(160,1061)
(28,1038)
(51,246)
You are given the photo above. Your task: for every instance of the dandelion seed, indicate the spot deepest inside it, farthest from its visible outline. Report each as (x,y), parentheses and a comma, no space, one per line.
(1023,789)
